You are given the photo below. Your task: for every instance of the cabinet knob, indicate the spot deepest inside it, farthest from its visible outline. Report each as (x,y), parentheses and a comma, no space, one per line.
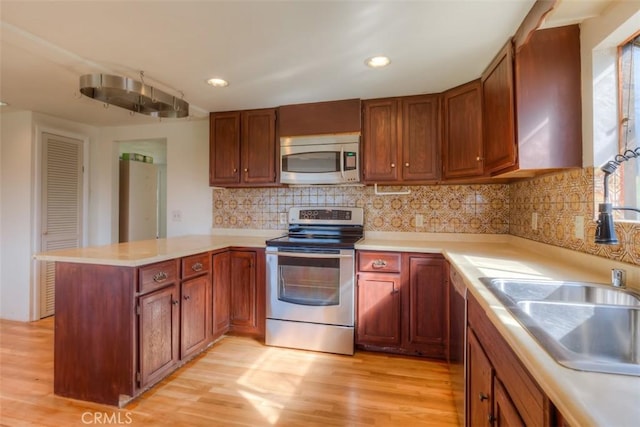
(246,170)
(160,277)
(197,266)
(478,158)
(393,165)
(406,164)
(235,170)
(483,397)
(187,297)
(175,302)
(379,263)
(395,291)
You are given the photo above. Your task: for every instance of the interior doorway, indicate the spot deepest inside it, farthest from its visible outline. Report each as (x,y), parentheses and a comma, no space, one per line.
(150,152)
(62,201)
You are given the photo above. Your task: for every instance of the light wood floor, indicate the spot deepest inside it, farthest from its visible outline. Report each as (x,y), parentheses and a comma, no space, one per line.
(238,382)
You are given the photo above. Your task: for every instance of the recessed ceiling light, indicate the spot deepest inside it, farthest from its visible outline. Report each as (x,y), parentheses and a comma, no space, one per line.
(215,82)
(377,61)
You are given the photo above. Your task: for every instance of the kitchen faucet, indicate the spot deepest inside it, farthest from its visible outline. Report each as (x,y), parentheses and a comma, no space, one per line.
(605,230)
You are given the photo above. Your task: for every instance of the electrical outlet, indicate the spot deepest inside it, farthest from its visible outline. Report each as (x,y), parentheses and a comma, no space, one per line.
(578,227)
(282,217)
(419,220)
(176,215)
(534,221)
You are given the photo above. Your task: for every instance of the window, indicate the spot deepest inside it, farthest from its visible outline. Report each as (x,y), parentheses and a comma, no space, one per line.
(628,193)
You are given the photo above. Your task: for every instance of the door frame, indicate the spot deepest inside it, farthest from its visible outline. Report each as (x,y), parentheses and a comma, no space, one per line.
(36,203)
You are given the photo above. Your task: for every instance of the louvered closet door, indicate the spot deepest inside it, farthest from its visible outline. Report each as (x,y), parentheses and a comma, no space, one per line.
(61,206)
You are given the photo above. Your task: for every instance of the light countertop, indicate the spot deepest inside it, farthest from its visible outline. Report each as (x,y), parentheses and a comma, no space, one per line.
(143,252)
(584,398)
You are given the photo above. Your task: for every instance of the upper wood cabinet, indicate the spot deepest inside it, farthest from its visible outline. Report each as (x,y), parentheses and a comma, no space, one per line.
(319,118)
(242,148)
(548,100)
(531,102)
(498,118)
(462,131)
(401,140)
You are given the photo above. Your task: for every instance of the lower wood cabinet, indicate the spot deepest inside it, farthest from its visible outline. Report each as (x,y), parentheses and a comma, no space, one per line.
(119,330)
(239,292)
(159,329)
(195,322)
(402,303)
(221,274)
(500,391)
(379,309)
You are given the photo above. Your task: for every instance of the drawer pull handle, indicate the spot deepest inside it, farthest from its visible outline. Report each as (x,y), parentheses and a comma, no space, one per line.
(197,266)
(483,397)
(379,263)
(160,277)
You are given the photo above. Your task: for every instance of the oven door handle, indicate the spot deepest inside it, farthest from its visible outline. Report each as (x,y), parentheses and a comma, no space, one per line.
(342,161)
(311,255)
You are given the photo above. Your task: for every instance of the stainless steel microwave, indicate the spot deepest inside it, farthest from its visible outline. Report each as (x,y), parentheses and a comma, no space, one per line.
(320,159)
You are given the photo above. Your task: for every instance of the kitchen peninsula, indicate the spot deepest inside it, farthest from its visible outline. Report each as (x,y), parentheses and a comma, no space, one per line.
(104,348)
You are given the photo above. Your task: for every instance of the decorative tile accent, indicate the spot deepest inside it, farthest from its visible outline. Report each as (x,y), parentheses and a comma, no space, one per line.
(558,198)
(445,208)
(490,209)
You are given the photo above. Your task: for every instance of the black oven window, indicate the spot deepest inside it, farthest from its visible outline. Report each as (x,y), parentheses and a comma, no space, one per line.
(308,281)
(316,162)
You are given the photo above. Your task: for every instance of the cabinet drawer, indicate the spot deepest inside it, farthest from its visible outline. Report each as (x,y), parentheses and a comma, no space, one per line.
(383,262)
(156,276)
(195,265)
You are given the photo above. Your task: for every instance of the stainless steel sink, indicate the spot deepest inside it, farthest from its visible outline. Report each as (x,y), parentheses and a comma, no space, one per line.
(588,337)
(583,326)
(551,290)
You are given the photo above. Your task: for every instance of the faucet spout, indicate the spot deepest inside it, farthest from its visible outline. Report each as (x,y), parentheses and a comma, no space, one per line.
(618,278)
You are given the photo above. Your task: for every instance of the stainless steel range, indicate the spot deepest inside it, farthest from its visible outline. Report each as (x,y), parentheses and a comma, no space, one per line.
(310,280)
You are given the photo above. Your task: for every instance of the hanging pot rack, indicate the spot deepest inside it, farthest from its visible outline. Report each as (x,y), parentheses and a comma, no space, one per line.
(133,95)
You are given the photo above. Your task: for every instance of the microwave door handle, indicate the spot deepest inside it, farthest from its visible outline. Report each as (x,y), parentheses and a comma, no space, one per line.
(342,161)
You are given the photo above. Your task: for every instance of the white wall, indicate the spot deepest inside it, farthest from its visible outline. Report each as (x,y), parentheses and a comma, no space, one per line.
(17,147)
(188,188)
(19,183)
(599,38)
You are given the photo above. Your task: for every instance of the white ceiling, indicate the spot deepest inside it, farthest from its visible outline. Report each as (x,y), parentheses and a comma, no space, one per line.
(272,52)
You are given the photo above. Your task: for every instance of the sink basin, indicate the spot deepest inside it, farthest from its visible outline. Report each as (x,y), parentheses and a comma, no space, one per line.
(588,337)
(577,292)
(583,326)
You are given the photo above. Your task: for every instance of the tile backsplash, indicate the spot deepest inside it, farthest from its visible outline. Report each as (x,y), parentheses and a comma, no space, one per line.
(444,208)
(557,199)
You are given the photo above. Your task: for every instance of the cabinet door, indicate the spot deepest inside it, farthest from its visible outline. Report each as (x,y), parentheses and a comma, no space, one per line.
(379,309)
(380,140)
(258,146)
(462,135)
(243,291)
(420,139)
(479,384)
(195,315)
(425,299)
(548,96)
(498,112)
(224,148)
(221,293)
(504,411)
(158,333)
